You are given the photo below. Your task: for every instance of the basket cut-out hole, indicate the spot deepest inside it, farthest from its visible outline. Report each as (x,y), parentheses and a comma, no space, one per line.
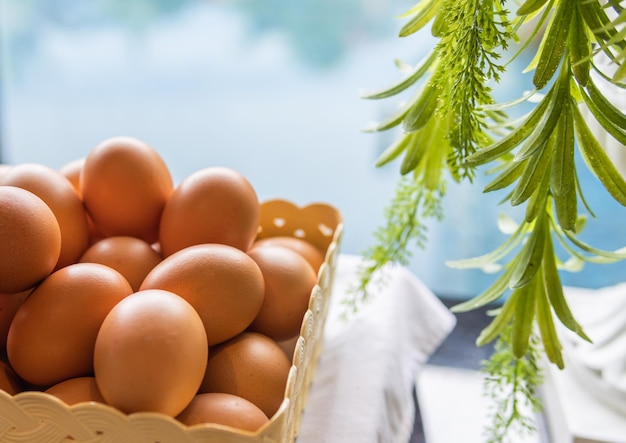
(299,233)
(279,222)
(325,230)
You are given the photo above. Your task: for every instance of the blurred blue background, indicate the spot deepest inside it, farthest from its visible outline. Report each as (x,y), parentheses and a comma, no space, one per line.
(267,87)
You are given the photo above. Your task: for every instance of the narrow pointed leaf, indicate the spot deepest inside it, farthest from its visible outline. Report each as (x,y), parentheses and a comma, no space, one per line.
(493,293)
(394,150)
(529,258)
(533,174)
(499,322)
(422,110)
(579,48)
(420,18)
(406,82)
(562,173)
(549,337)
(415,153)
(506,177)
(514,138)
(538,200)
(605,106)
(598,161)
(618,133)
(497,254)
(554,290)
(554,45)
(530,6)
(566,205)
(523,318)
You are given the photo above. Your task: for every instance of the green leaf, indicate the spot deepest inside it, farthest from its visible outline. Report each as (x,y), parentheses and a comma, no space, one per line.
(507,177)
(554,290)
(566,205)
(523,318)
(420,18)
(604,105)
(549,337)
(562,173)
(500,321)
(395,149)
(538,200)
(390,122)
(598,161)
(515,137)
(406,82)
(440,25)
(530,6)
(483,260)
(415,152)
(422,110)
(533,174)
(554,44)
(491,294)
(529,258)
(579,48)
(618,133)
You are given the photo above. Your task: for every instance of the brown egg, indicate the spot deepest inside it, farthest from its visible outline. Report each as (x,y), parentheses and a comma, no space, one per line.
(251,366)
(9,381)
(151,353)
(9,304)
(53,333)
(212,205)
(72,171)
(223,409)
(314,256)
(130,256)
(30,239)
(222,283)
(125,184)
(4,169)
(59,194)
(289,280)
(77,390)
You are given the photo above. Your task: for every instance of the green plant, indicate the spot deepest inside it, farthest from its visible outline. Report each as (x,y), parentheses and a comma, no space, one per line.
(452,126)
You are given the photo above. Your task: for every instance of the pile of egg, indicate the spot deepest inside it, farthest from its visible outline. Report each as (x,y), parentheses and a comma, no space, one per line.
(119,287)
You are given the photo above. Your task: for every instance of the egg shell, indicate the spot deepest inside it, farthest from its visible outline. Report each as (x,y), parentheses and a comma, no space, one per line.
(77,390)
(212,205)
(125,184)
(9,304)
(9,381)
(130,256)
(314,256)
(59,194)
(289,280)
(72,171)
(222,283)
(252,366)
(151,353)
(30,239)
(223,409)
(4,169)
(53,333)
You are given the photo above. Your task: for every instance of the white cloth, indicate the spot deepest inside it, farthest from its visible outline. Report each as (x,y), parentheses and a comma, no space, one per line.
(363,388)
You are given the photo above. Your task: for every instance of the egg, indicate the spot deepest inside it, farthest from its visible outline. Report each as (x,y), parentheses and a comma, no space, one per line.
(222,283)
(223,409)
(53,332)
(72,171)
(125,184)
(130,256)
(151,353)
(76,390)
(9,304)
(59,194)
(314,256)
(212,205)
(4,169)
(252,366)
(30,239)
(9,381)
(289,280)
